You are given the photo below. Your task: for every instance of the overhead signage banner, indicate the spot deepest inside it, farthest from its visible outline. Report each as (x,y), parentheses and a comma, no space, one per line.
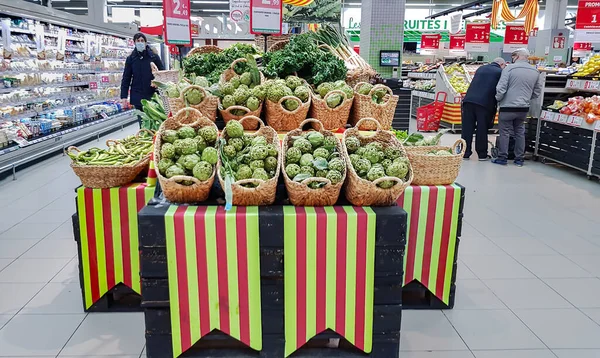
(587,24)
(477,37)
(265,17)
(430,43)
(457,44)
(177,22)
(239,10)
(515,38)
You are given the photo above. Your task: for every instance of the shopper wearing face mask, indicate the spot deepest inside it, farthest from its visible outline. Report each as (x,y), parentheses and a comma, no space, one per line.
(137,75)
(519,83)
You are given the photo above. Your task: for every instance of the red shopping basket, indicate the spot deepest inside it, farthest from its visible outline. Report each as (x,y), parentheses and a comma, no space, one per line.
(429,116)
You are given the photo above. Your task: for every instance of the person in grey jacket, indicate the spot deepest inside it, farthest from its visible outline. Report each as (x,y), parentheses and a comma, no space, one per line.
(519,83)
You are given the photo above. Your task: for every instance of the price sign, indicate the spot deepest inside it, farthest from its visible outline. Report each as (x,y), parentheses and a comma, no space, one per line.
(515,37)
(265,17)
(573,84)
(195,30)
(430,41)
(457,43)
(581,49)
(562,118)
(587,23)
(177,22)
(239,10)
(591,85)
(104,79)
(544,115)
(477,38)
(576,121)
(93,85)
(551,116)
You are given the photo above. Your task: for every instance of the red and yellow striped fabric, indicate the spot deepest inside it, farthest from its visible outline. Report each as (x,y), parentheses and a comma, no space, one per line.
(329,274)
(214,274)
(298,2)
(432,227)
(108,227)
(529,11)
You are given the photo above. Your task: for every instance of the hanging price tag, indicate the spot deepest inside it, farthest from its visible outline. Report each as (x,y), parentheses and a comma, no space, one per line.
(573,84)
(515,37)
(591,85)
(576,121)
(93,85)
(177,22)
(477,37)
(105,79)
(562,118)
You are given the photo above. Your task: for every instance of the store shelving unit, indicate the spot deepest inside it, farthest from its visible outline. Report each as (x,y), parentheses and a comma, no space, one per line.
(53,67)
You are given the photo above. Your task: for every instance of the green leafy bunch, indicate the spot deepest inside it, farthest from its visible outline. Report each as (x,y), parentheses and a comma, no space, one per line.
(211,65)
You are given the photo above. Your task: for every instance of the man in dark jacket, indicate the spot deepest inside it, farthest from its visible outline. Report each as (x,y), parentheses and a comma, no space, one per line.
(137,74)
(479,107)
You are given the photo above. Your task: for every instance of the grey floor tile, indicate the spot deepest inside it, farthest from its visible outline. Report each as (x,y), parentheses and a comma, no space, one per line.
(526,293)
(578,353)
(428,330)
(474,295)
(108,334)
(572,245)
(37,335)
(562,328)
(32,270)
(492,329)
(4,263)
(556,266)
(56,298)
(11,249)
(478,246)
(14,296)
(593,313)
(70,273)
(25,230)
(463,272)
(501,266)
(591,263)
(49,216)
(437,354)
(469,231)
(581,292)
(4,318)
(523,246)
(64,231)
(52,249)
(524,353)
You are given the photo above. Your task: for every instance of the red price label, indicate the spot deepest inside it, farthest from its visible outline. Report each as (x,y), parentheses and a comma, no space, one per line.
(93,85)
(457,43)
(177,8)
(582,46)
(515,34)
(478,33)
(430,41)
(177,22)
(105,79)
(195,30)
(591,85)
(588,15)
(562,118)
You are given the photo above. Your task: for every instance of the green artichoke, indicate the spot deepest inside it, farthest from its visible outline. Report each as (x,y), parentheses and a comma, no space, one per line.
(398,170)
(194,96)
(189,161)
(306,159)
(337,164)
(362,166)
(333,100)
(202,171)
(290,104)
(260,173)
(167,151)
(165,163)
(246,79)
(170,136)
(321,153)
(210,155)
(307,170)
(237,143)
(244,172)
(209,133)
(272,149)
(259,140)
(234,129)
(334,176)
(186,146)
(252,103)
(293,155)
(256,164)
(303,93)
(270,163)
(375,173)
(229,151)
(292,170)
(174,170)
(293,82)
(316,139)
(303,144)
(186,132)
(352,144)
(228,101)
(260,92)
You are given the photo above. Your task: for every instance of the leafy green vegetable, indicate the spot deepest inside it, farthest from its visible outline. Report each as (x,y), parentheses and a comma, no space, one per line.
(211,65)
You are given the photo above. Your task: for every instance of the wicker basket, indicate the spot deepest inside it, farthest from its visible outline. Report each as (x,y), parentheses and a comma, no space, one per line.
(283,120)
(172,190)
(436,170)
(208,106)
(299,192)
(264,193)
(259,40)
(359,75)
(364,107)
(278,45)
(361,192)
(164,76)
(229,73)
(248,124)
(204,49)
(102,177)
(331,118)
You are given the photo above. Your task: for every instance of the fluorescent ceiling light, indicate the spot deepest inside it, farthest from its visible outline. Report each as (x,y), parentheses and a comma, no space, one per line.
(209,2)
(61,0)
(213,10)
(75,8)
(153,1)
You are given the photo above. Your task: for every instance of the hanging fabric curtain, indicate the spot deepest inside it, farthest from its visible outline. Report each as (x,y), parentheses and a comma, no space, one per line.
(529,12)
(297,2)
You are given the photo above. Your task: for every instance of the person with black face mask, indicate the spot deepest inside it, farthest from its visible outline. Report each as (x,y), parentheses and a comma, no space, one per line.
(137,75)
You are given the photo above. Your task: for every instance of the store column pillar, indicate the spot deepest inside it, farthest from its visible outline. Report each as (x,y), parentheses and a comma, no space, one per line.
(552,41)
(97,11)
(382,28)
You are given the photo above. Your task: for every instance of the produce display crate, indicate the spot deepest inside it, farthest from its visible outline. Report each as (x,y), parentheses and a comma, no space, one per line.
(530,134)
(402,114)
(565,144)
(595,170)
(388,240)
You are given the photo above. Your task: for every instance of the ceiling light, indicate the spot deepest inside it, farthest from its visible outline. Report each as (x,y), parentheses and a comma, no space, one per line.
(213,10)
(209,2)
(61,0)
(75,8)
(152,1)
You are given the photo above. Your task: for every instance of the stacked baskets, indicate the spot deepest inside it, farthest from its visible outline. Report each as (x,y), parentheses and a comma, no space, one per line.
(433,169)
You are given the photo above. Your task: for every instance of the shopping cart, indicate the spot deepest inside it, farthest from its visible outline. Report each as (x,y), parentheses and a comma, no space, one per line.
(429,116)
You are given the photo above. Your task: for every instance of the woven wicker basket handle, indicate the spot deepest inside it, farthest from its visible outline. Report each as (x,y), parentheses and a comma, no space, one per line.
(258,182)
(316,179)
(191,87)
(231,108)
(368,119)
(72,149)
(386,88)
(236,62)
(293,98)
(335,92)
(153,67)
(183,113)
(144,130)
(382,179)
(185,177)
(111,142)
(459,150)
(260,122)
(356,86)
(312,120)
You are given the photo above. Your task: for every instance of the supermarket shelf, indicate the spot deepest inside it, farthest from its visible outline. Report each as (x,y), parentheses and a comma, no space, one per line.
(21,31)
(422,75)
(73,38)
(423,94)
(573,121)
(583,85)
(112,59)
(13,157)
(50,110)
(59,72)
(54,85)
(33,100)
(74,49)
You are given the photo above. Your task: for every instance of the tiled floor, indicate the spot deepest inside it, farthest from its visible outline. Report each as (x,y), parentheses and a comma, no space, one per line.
(528,276)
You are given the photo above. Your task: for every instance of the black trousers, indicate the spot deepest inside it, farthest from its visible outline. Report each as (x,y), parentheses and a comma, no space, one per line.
(476,117)
(139,117)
